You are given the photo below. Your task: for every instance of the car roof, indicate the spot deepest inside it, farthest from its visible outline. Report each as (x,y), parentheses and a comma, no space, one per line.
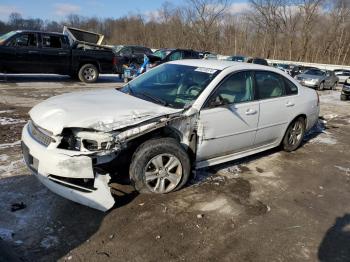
(37,31)
(222,64)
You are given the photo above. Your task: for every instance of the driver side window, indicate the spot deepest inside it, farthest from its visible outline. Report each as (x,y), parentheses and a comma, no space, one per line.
(25,40)
(237,88)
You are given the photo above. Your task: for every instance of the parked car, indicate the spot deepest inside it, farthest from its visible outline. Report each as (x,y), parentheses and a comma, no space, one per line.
(299,69)
(176,117)
(236,58)
(256,60)
(207,55)
(168,54)
(130,54)
(342,75)
(284,67)
(74,52)
(318,79)
(345,92)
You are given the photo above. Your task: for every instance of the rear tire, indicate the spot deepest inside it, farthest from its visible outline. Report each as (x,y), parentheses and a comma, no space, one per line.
(294,135)
(321,87)
(159,166)
(88,73)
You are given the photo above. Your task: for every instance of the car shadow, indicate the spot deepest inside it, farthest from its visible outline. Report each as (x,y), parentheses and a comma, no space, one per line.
(335,246)
(202,174)
(315,131)
(48,226)
(23,78)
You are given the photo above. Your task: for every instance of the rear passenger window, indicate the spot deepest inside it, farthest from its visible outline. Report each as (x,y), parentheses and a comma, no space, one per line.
(269,84)
(52,41)
(291,89)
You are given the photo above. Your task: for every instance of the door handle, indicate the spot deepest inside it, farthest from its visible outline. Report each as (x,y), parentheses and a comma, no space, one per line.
(250,112)
(32,52)
(289,104)
(62,53)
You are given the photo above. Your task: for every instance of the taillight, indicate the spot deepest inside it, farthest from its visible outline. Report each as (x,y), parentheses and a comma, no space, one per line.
(114,61)
(318,99)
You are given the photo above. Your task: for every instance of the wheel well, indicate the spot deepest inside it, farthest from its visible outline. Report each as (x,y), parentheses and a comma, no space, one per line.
(300,115)
(123,160)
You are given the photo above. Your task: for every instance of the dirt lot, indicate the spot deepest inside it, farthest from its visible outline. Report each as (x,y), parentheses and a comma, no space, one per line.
(274,206)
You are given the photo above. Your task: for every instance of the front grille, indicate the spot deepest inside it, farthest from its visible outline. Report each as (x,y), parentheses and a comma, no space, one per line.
(39,135)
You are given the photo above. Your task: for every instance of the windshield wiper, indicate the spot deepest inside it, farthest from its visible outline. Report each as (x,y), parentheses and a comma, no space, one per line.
(155,99)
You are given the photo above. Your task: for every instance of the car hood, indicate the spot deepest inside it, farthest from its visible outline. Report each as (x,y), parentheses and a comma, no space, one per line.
(306,76)
(102,110)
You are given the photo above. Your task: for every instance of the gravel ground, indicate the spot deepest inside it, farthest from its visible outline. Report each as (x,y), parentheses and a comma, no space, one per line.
(274,206)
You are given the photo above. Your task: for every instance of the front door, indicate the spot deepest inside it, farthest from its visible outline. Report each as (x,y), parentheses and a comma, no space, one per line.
(228,122)
(28,59)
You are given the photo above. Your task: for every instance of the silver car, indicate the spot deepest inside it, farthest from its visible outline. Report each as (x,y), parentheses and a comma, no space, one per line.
(318,79)
(176,117)
(342,75)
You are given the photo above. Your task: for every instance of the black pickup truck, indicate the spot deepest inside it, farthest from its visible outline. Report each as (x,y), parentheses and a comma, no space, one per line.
(74,52)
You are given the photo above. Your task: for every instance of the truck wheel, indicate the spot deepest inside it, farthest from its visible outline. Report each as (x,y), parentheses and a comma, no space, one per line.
(88,73)
(159,166)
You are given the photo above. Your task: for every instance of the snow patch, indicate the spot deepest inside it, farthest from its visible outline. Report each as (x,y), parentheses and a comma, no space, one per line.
(8,170)
(324,140)
(3,158)
(10,121)
(345,169)
(17,143)
(6,111)
(49,241)
(6,234)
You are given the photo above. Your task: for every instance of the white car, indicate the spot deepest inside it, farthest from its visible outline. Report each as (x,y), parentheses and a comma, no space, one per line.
(178,116)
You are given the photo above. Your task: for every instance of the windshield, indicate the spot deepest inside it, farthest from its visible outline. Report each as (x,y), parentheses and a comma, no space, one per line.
(314,72)
(176,86)
(4,37)
(238,58)
(162,53)
(117,48)
(284,66)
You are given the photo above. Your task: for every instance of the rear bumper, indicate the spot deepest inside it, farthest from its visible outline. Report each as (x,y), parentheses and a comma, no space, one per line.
(67,173)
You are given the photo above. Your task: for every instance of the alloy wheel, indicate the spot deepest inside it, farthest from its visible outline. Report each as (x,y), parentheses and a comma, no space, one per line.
(163,173)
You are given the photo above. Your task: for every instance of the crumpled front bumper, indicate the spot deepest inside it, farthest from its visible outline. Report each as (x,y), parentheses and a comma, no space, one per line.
(58,169)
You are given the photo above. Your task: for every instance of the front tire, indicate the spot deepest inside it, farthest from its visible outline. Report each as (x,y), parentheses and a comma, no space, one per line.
(159,166)
(343,97)
(294,135)
(88,73)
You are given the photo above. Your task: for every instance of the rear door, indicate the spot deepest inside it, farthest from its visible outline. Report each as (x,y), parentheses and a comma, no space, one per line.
(229,119)
(27,58)
(277,105)
(55,53)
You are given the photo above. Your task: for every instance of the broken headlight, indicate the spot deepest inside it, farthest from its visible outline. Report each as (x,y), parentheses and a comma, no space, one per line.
(82,140)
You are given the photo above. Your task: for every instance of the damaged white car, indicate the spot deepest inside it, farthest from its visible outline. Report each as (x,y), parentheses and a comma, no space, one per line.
(178,116)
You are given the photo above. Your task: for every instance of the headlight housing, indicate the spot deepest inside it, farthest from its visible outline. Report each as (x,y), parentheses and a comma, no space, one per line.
(86,140)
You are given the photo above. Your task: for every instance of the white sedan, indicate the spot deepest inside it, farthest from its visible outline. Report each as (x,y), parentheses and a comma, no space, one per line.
(176,117)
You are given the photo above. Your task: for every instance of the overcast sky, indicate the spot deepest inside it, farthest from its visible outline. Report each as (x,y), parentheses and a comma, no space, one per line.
(57,10)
